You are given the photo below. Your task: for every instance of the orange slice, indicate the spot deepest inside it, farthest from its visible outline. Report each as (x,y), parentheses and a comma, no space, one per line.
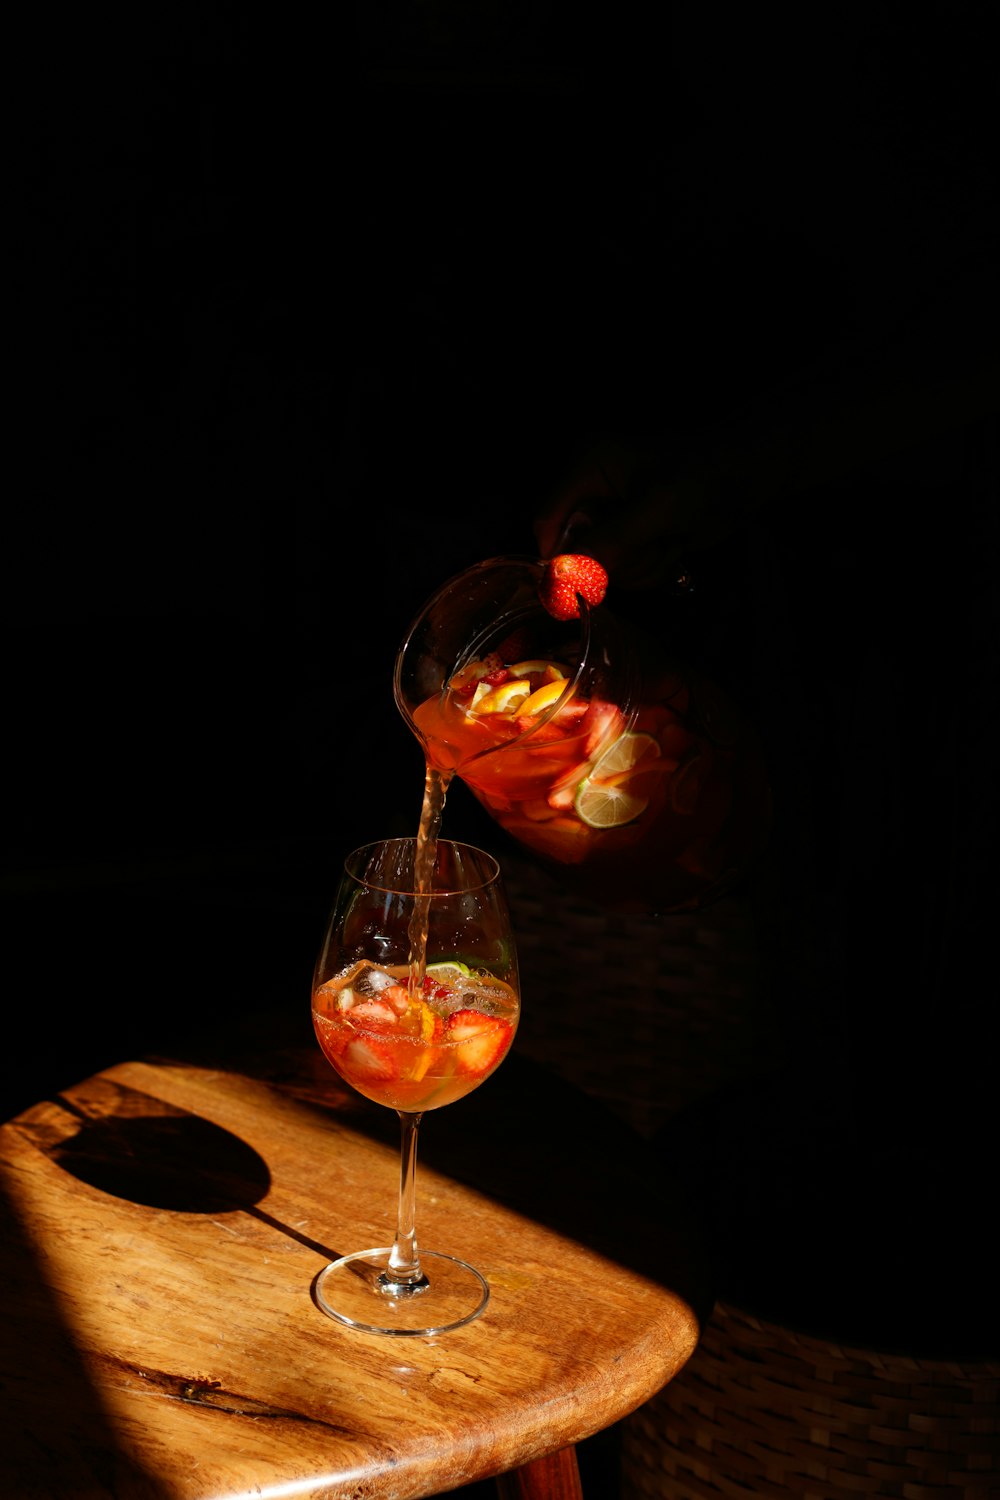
(543,697)
(505,698)
(546,669)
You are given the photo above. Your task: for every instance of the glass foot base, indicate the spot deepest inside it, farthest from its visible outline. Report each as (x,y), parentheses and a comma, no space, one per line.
(355,1290)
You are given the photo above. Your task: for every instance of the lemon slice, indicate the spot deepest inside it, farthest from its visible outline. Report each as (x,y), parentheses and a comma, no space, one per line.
(605,798)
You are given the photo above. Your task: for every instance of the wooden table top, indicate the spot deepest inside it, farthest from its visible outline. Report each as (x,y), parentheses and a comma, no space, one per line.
(163,1223)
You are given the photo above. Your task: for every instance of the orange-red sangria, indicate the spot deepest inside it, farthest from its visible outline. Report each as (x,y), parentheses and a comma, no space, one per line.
(415,1002)
(644,787)
(414,1047)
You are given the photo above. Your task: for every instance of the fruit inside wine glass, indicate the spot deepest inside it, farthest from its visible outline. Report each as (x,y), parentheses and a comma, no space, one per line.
(415,1002)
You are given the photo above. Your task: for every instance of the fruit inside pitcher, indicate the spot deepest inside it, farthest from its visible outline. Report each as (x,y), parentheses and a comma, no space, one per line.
(646,795)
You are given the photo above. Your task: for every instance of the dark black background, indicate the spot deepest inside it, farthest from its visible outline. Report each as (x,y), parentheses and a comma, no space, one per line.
(312,310)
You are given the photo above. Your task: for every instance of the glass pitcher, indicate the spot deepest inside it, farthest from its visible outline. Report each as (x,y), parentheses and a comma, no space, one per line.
(633,779)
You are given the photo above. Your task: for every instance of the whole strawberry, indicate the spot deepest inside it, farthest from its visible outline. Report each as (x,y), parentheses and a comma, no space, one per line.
(567,576)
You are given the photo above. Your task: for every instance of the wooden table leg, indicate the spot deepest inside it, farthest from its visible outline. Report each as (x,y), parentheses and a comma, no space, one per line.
(556,1477)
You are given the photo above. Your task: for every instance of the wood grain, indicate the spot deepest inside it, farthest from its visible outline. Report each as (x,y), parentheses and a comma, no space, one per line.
(163,1224)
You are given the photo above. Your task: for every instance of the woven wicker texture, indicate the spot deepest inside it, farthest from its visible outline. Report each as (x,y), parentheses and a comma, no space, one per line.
(648,1015)
(763,1411)
(652,1016)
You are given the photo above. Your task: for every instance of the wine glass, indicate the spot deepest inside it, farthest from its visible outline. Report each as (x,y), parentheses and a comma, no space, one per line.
(415,1002)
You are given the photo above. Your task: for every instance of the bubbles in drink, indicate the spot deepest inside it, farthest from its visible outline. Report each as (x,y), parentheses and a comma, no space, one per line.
(414,1046)
(492,999)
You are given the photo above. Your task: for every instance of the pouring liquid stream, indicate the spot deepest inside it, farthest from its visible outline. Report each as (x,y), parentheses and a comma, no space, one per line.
(436,785)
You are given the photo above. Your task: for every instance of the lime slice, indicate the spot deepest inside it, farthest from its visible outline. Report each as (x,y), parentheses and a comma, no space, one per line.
(610,797)
(603,806)
(625,754)
(449,971)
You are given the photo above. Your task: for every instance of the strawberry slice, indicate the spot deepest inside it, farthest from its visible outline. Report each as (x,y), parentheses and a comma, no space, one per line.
(490,669)
(482,1040)
(515,645)
(368,1060)
(566,576)
(372,1010)
(601,723)
(398,996)
(562,792)
(555,731)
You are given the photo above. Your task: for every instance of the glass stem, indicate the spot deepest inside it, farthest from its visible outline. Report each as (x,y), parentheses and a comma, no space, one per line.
(403,1277)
